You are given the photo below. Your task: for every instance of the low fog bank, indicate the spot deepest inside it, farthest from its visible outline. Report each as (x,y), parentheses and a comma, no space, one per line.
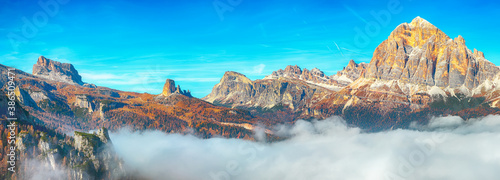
(446,148)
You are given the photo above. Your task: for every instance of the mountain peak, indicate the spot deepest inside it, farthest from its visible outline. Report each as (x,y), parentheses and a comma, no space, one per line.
(420,53)
(460,39)
(352,64)
(56,71)
(417,33)
(421,22)
(43,61)
(232,84)
(235,76)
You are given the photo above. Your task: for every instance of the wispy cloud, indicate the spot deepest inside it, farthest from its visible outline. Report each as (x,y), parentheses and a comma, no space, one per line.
(258,69)
(339,48)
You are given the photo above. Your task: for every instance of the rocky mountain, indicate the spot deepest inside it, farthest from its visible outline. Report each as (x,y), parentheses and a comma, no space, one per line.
(417,69)
(56,71)
(417,65)
(97,153)
(420,53)
(286,89)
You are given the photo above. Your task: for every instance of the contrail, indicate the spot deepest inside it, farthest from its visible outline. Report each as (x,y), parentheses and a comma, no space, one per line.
(357,52)
(339,48)
(355,13)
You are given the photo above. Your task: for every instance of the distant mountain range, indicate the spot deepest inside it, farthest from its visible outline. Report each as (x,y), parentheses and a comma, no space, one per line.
(417,73)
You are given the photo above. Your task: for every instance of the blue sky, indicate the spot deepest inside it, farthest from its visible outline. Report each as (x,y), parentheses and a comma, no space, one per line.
(136,45)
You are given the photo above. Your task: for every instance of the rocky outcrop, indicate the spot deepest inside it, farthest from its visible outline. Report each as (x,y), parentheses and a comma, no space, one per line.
(420,53)
(38,96)
(97,148)
(48,152)
(24,98)
(84,101)
(56,71)
(86,156)
(169,89)
(24,140)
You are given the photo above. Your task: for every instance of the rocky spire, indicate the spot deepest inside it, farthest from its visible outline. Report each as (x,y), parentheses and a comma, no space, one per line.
(169,89)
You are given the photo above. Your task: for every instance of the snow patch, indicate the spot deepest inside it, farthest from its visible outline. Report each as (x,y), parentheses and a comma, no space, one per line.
(327,86)
(342,78)
(349,103)
(381,83)
(434,90)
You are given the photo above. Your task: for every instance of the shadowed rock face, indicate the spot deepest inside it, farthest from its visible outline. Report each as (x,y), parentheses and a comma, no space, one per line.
(420,53)
(56,71)
(24,98)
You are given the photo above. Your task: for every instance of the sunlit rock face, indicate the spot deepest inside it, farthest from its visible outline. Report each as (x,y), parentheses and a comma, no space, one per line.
(169,89)
(420,53)
(284,89)
(56,71)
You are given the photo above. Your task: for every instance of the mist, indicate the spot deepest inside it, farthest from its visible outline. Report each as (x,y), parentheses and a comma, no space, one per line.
(445,148)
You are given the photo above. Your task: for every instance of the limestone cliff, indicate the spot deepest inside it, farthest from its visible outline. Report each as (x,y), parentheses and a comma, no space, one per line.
(236,90)
(56,71)
(24,98)
(86,156)
(420,53)
(84,101)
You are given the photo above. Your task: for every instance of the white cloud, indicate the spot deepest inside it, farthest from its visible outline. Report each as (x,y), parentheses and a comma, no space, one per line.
(325,149)
(445,122)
